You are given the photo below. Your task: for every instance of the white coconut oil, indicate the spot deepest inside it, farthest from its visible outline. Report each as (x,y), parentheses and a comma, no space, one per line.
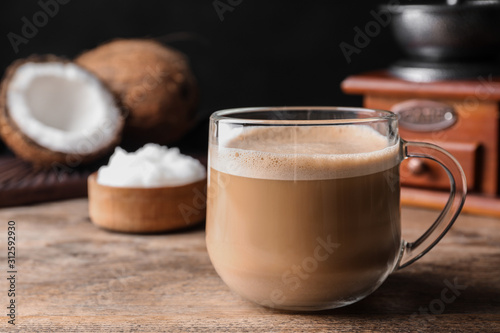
(150,166)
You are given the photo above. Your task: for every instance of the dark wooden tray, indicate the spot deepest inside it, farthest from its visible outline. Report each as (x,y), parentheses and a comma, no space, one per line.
(22,184)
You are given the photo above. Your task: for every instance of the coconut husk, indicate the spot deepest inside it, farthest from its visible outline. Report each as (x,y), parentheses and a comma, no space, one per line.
(155,84)
(26,148)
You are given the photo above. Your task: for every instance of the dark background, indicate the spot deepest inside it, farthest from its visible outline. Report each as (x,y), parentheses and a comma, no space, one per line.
(263,53)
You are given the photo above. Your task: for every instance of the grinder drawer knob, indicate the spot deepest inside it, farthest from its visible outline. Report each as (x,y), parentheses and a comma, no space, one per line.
(417,166)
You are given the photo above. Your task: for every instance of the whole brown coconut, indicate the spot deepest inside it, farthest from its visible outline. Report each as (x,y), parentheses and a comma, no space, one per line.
(155,84)
(88,148)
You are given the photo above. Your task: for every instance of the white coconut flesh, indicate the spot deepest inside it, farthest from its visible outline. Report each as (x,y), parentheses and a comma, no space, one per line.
(62,107)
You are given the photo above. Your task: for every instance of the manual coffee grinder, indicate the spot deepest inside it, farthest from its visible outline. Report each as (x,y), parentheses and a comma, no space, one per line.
(446,92)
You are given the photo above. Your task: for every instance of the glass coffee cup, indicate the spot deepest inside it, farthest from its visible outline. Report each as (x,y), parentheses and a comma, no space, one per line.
(303,208)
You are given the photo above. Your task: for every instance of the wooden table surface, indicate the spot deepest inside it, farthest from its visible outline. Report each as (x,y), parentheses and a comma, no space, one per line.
(74,277)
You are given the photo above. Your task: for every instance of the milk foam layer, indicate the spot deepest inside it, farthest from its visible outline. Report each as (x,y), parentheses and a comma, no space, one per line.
(304,153)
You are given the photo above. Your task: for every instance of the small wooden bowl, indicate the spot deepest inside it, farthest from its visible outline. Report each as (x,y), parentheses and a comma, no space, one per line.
(146,210)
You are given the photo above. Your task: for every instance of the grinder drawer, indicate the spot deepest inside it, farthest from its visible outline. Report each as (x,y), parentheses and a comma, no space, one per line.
(424,172)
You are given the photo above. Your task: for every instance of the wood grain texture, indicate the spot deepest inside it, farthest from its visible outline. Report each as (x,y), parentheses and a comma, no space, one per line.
(74,277)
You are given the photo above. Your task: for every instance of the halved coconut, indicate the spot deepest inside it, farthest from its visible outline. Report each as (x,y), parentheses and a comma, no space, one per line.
(154,83)
(54,111)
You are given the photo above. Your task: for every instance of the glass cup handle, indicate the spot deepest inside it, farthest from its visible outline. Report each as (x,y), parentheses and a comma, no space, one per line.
(413,251)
